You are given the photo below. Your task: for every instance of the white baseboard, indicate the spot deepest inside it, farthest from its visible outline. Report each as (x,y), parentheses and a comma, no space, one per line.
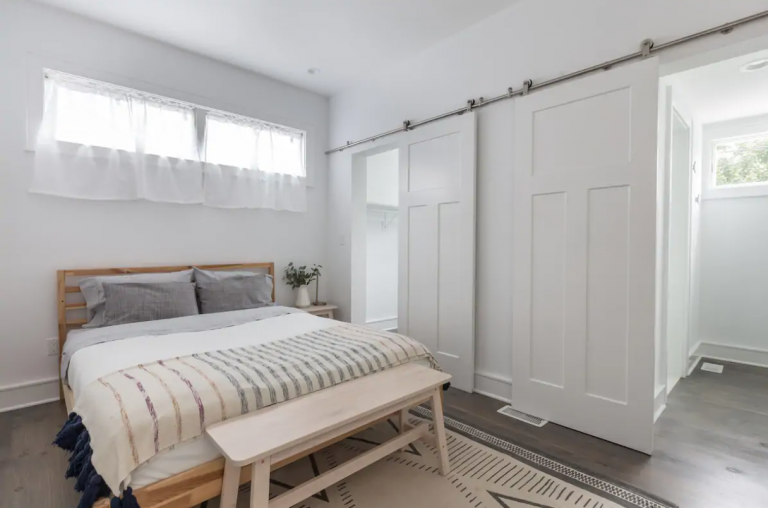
(736,354)
(693,349)
(493,386)
(383,324)
(659,402)
(28,394)
(693,362)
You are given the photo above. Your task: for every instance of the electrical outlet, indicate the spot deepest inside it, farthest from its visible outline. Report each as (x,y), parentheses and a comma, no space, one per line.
(53,346)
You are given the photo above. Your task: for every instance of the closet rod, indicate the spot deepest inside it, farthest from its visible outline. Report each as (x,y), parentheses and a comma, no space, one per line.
(647,49)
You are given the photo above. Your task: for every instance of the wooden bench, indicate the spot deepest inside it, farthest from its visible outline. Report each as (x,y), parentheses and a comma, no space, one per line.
(300,425)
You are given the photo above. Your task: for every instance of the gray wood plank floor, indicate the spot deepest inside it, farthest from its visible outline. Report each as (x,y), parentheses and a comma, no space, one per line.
(711,445)
(711,442)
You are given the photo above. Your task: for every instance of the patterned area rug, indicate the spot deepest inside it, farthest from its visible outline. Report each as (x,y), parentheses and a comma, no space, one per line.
(485,472)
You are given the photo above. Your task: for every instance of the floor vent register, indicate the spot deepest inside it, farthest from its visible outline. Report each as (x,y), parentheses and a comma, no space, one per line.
(523,417)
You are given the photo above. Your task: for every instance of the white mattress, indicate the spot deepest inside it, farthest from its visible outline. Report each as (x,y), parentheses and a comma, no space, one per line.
(98,360)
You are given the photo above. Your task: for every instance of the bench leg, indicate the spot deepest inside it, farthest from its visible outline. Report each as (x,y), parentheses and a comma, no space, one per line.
(230,485)
(442,445)
(403,424)
(260,484)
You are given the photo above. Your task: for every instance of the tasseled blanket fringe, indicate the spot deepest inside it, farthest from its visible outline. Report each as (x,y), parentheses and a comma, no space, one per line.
(73,437)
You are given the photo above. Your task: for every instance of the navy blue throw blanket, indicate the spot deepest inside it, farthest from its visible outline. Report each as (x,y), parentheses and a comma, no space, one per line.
(74,438)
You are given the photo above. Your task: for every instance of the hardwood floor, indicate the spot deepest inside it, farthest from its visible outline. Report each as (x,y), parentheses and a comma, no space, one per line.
(711,445)
(31,469)
(711,442)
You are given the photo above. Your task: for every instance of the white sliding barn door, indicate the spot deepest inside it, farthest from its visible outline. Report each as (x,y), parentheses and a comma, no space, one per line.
(585,253)
(436,290)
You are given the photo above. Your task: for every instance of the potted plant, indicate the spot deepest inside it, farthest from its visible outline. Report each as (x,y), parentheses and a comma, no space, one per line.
(299,278)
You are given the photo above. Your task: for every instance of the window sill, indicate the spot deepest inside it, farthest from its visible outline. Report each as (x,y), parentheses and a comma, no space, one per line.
(749,191)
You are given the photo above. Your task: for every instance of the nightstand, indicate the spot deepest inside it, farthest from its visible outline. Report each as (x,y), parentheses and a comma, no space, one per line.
(321,310)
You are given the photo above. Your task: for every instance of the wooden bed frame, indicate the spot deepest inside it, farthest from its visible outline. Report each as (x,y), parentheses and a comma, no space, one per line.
(66,307)
(201,483)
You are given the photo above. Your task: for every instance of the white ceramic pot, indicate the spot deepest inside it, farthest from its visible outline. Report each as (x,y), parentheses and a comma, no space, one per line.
(302,297)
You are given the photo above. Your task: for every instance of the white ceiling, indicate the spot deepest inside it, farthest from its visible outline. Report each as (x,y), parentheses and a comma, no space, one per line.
(345,39)
(721,91)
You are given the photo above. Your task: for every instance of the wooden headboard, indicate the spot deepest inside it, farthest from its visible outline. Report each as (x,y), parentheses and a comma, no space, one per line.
(71,305)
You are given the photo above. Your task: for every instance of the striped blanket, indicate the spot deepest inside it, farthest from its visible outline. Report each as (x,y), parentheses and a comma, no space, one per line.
(135,413)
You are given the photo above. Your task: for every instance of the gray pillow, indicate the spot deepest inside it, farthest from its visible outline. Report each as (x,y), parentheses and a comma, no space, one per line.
(234,293)
(93,290)
(137,302)
(214,275)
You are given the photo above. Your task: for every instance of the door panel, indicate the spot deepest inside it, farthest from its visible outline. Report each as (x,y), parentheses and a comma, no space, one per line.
(422,289)
(449,311)
(584,254)
(437,244)
(547,291)
(607,274)
(591,131)
(435,163)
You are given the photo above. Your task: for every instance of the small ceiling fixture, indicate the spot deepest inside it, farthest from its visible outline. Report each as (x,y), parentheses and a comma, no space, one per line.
(315,71)
(755,65)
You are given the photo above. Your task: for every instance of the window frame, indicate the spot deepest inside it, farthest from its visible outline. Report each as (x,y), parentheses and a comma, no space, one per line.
(37,65)
(729,131)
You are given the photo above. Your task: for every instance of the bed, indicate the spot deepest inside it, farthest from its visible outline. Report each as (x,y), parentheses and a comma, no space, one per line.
(186,470)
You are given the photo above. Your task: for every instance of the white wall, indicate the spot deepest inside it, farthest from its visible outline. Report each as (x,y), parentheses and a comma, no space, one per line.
(734,275)
(40,234)
(533,39)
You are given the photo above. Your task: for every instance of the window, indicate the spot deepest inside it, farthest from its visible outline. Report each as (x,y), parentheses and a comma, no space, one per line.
(86,117)
(102,141)
(250,144)
(169,130)
(93,113)
(735,158)
(243,143)
(741,161)
(96,114)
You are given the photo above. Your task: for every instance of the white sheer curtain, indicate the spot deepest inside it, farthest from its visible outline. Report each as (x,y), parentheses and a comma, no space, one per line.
(99,141)
(250,164)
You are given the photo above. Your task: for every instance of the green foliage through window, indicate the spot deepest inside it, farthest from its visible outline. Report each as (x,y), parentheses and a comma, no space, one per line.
(742,162)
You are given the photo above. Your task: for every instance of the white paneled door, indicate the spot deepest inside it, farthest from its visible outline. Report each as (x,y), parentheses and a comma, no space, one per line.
(585,254)
(436,300)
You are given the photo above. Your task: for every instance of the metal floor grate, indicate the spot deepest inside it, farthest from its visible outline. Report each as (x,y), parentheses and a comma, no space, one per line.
(523,417)
(712,367)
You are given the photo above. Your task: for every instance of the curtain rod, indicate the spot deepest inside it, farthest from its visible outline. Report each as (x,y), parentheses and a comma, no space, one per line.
(647,49)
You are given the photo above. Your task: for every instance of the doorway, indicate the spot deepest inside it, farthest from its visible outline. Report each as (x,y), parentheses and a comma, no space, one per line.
(717,155)
(382,199)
